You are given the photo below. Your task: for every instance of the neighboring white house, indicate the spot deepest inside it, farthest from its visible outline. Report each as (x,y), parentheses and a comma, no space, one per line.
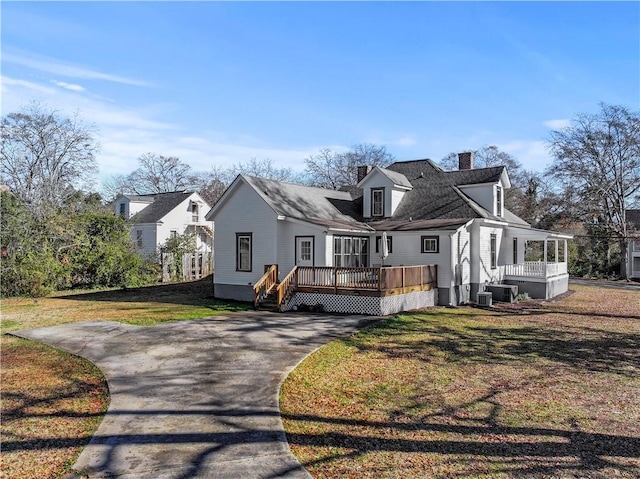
(633,268)
(453,219)
(155,218)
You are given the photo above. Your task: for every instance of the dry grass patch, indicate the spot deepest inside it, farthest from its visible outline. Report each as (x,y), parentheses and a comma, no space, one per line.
(548,390)
(52,401)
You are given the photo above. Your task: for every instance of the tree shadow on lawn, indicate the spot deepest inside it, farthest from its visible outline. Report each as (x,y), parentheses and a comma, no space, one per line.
(587,348)
(515,450)
(193,293)
(520,450)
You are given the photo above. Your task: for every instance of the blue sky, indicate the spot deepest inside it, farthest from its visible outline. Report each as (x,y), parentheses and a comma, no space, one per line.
(217,83)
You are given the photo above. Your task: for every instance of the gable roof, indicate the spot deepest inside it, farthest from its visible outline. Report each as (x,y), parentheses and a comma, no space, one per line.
(330,208)
(396,178)
(433,200)
(160,204)
(436,193)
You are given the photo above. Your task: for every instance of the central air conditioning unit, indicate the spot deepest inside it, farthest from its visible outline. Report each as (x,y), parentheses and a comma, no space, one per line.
(485,299)
(506,293)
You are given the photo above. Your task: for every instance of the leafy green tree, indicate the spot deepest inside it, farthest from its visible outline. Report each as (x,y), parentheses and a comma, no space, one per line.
(173,251)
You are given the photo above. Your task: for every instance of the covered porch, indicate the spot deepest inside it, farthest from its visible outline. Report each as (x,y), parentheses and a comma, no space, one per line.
(539,262)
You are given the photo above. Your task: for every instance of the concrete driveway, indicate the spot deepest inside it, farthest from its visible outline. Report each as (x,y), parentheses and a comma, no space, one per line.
(195,399)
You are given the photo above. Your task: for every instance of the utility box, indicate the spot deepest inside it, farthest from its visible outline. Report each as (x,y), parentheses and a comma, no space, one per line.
(485,299)
(506,293)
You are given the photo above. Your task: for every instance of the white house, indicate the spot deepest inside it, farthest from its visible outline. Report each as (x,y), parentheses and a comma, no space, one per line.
(155,218)
(455,220)
(633,247)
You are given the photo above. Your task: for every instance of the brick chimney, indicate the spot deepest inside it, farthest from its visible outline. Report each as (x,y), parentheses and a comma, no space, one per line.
(465,160)
(363,171)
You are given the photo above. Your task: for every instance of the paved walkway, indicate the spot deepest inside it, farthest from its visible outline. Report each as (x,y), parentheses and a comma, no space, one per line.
(195,399)
(628,285)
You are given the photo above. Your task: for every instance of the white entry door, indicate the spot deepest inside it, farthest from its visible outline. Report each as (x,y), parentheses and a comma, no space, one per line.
(304,251)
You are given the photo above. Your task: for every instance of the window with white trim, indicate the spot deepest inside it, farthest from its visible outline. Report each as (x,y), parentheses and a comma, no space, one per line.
(377,202)
(498,200)
(350,251)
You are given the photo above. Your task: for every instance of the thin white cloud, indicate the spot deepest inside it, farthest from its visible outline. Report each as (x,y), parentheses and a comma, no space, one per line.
(69,86)
(533,154)
(10,84)
(57,67)
(557,124)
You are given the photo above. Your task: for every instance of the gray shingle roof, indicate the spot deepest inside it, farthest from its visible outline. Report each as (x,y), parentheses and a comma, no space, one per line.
(397,178)
(434,202)
(160,205)
(316,205)
(435,193)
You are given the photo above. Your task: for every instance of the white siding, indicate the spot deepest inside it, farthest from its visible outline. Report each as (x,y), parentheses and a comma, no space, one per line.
(392,196)
(149,238)
(481,257)
(461,256)
(244,212)
(135,207)
(287,232)
(484,195)
(406,251)
(396,198)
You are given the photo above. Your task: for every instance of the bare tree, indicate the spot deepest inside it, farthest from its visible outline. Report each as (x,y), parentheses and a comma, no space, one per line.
(155,174)
(329,169)
(160,174)
(597,160)
(263,169)
(46,157)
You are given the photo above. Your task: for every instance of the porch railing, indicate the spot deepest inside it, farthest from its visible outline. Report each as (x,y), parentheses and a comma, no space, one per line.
(535,269)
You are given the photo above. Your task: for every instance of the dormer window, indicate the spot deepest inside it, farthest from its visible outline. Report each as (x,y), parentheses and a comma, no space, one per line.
(498,200)
(377,202)
(123,209)
(194,212)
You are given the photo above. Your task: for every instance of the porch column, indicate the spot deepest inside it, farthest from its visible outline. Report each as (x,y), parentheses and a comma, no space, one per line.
(545,251)
(556,243)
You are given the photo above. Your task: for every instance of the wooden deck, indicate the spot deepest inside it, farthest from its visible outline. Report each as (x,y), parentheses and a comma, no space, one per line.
(358,281)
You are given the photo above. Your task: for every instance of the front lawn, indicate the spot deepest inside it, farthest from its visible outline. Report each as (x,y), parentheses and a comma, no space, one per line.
(551,390)
(52,402)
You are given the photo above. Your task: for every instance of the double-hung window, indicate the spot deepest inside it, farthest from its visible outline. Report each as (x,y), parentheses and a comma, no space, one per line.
(430,244)
(498,200)
(243,251)
(494,251)
(377,202)
(194,213)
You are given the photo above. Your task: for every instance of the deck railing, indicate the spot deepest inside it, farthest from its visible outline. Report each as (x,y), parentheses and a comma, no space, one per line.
(535,269)
(366,279)
(265,284)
